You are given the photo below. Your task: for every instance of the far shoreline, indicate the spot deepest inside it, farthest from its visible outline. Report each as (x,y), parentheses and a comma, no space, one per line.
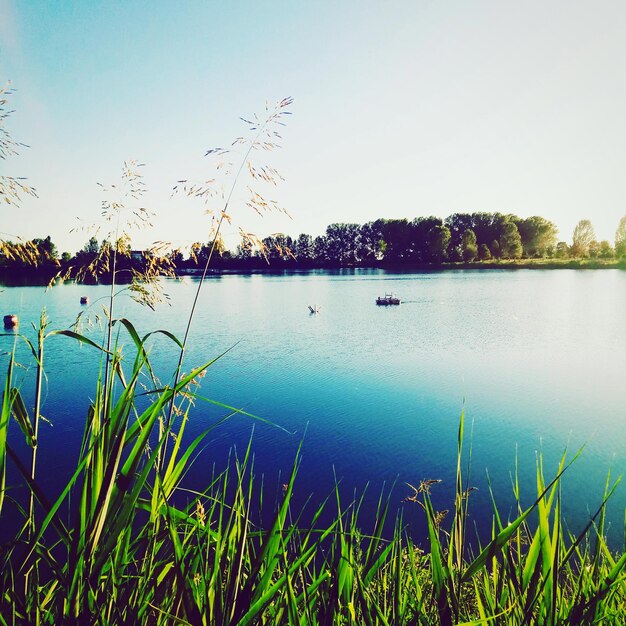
(43,277)
(509,264)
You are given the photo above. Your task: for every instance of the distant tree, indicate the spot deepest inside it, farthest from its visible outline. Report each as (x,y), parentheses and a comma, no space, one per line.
(428,240)
(243,252)
(92,246)
(582,238)
(594,249)
(66,257)
(510,241)
(371,241)
(455,253)
(176,258)
(88,252)
(271,250)
(196,258)
(342,243)
(304,250)
(367,243)
(199,253)
(620,238)
(438,243)
(398,236)
(538,236)
(278,248)
(458,223)
(562,250)
(484,254)
(468,245)
(47,249)
(495,249)
(488,226)
(606,251)
(286,246)
(319,250)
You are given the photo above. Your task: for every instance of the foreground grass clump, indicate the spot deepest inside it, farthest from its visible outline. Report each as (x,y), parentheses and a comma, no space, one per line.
(117,547)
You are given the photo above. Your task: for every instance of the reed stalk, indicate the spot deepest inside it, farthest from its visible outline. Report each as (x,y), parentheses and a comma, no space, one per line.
(273,117)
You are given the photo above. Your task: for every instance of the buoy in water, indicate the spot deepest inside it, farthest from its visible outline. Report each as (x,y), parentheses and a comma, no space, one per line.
(84,299)
(11,321)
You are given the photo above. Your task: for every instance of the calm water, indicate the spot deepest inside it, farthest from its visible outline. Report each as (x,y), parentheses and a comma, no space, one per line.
(537,358)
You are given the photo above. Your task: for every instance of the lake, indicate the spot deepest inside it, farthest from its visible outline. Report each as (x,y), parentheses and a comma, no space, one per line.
(535,358)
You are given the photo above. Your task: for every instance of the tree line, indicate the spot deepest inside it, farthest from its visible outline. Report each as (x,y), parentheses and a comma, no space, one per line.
(459,238)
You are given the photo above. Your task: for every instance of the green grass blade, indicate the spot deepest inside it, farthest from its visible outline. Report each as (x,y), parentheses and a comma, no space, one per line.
(5,415)
(497,544)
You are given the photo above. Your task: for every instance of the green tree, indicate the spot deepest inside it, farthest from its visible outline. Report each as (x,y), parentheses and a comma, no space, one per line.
(488,226)
(92,246)
(538,236)
(458,223)
(304,250)
(46,248)
(371,241)
(278,247)
(176,258)
(428,240)
(606,252)
(244,251)
(320,250)
(199,253)
(398,237)
(342,243)
(484,254)
(620,238)
(469,246)
(562,250)
(582,238)
(88,253)
(438,244)
(510,241)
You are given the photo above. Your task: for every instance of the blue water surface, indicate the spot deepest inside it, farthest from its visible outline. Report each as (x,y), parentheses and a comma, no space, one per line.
(534,358)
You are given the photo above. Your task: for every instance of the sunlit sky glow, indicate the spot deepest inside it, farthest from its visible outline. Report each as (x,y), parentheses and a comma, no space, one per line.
(402,109)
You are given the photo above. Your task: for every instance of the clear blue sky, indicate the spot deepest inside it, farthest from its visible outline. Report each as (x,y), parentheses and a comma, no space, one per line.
(401,109)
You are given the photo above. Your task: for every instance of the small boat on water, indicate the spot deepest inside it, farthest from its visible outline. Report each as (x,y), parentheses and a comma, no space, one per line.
(11,321)
(314,310)
(388,299)
(84,299)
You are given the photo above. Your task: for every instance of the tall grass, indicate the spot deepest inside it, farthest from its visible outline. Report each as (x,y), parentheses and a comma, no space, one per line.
(116,546)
